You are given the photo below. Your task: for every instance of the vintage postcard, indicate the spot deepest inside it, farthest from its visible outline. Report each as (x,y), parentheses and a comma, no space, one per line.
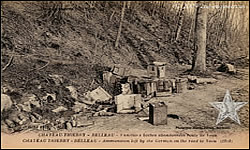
(125,74)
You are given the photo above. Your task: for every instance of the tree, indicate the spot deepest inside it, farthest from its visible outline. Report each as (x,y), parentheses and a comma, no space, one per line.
(120,26)
(199,60)
(180,21)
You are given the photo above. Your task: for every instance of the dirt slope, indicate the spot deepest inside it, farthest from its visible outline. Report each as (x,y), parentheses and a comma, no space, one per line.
(78,42)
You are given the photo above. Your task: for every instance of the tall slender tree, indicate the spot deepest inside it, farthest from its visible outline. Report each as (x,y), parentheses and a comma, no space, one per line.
(199,60)
(120,26)
(180,21)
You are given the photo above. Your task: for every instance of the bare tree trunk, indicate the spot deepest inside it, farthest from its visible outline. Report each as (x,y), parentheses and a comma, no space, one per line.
(180,21)
(120,27)
(199,61)
(224,26)
(191,33)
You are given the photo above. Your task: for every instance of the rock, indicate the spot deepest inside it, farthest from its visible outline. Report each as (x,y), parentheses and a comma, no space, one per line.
(103,113)
(59,109)
(35,103)
(227,68)
(108,114)
(205,80)
(39,86)
(6,102)
(60,122)
(15,119)
(28,100)
(49,97)
(33,118)
(191,87)
(5,128)
(37,116)
(22,117)
(99,108)
(96,114)
(25,107)
(73,91)
(143,118)
(231,69)
(68,126)
(27,97)
(58,79)
(73,123)
(6,89)
(9,123)
(192,78)
(53,128)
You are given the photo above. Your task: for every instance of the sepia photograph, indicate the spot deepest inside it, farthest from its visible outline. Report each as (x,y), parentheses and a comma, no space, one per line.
(125,74)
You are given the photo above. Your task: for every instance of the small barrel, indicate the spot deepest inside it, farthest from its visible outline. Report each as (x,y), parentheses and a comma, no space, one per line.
(181,85)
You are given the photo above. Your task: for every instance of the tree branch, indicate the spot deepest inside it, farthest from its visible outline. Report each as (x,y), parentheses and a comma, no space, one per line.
(8,64)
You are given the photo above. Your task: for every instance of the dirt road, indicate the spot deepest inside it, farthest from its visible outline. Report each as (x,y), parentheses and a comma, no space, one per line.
(192,107)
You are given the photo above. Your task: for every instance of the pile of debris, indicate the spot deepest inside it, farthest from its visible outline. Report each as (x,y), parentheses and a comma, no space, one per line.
(138,87)
(151,82)
(53,106)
